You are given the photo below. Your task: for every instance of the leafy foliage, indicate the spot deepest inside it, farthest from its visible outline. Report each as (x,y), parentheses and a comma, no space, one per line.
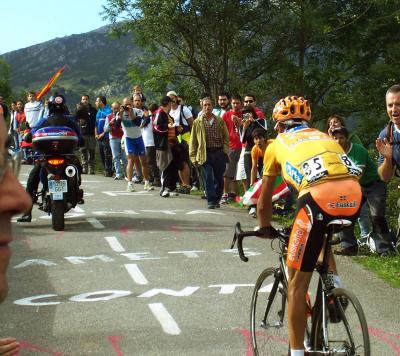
(320,49)
(5,85)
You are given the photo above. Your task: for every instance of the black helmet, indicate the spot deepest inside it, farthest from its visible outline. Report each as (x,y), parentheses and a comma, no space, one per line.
(57,104)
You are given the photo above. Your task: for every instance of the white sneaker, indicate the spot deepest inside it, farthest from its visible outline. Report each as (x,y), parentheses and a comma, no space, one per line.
(165,193)
(253,210)
(148,186)
(130,187)
(194,189)
(174,193)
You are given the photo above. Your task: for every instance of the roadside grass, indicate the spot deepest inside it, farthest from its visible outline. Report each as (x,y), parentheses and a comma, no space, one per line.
(387,268)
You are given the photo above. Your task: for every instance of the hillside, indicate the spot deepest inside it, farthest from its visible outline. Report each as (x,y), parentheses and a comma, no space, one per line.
(95,64)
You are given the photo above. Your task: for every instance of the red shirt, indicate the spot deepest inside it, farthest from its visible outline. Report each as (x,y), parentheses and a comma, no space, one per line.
(20,116)
(114,132)
(259,113)
(234,138)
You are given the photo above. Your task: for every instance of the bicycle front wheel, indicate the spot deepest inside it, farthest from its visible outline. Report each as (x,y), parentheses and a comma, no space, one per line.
(268,320)
(346,329)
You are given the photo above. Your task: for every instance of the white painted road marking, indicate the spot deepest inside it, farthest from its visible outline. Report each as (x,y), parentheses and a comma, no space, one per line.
(136,274)
(95,223)
(114,243)
(167,322)
(188,254)
(32,262)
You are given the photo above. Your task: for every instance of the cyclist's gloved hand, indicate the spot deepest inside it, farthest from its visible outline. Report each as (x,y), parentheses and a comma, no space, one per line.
(267,232)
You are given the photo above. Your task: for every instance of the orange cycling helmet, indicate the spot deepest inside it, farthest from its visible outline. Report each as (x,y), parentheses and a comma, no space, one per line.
(292,107)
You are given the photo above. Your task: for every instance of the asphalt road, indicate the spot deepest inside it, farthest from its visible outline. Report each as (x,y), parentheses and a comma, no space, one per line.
(137,274)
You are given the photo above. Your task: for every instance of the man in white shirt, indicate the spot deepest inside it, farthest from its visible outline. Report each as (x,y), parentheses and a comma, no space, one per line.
(33,110)
(132,119)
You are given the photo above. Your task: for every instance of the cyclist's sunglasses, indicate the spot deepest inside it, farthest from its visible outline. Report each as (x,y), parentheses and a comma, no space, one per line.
(10,160)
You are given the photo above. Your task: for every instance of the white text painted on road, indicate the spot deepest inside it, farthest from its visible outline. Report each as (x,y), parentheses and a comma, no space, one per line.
(189,254)
(167,322)
(114,243)
(95,223)
(136,274)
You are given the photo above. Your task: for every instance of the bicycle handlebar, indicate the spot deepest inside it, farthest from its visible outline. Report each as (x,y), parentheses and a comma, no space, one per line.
(240,235)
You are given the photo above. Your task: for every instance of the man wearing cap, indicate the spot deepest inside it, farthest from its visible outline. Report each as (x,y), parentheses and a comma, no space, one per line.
(183,120)
(374,194)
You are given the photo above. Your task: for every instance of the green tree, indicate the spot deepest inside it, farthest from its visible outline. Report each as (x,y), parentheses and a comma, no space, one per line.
(214,45)
(340,54)
(5,86)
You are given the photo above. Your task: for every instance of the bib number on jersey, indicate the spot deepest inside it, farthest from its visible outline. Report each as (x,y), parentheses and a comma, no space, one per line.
(314,169)
(351,166)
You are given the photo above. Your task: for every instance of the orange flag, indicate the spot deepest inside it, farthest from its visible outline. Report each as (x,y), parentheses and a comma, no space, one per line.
(49,84)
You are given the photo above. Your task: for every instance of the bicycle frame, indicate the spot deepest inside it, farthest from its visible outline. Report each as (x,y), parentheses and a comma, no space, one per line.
(281,277)
(323,312)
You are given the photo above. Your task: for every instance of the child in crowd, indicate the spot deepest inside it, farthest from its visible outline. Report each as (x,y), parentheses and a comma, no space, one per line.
(257,157)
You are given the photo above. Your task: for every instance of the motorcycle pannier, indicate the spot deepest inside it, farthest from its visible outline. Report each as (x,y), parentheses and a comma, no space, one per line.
(56,139)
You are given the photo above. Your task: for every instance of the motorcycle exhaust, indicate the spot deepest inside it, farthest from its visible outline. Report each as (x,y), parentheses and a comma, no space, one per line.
(70,171)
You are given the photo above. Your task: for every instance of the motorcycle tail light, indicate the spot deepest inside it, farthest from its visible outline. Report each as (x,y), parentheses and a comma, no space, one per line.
(56,161)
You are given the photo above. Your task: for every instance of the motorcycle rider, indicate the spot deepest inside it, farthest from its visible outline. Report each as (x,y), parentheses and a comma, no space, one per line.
(58,116)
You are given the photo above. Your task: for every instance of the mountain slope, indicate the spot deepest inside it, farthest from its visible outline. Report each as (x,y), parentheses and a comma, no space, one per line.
(95,64)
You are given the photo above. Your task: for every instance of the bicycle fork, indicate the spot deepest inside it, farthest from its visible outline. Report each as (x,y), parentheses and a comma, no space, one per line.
(281,313)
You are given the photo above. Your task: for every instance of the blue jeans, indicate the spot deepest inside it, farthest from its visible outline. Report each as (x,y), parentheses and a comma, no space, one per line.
(213,171)
(364,222)
(118,155)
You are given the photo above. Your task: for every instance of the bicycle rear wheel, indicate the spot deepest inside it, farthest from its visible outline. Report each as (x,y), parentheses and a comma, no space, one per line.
(268,320)
(346,326)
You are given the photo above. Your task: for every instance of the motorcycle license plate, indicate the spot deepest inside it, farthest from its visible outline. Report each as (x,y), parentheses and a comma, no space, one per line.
(57,188)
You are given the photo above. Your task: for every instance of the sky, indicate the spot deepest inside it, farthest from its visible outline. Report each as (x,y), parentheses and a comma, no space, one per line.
(26,22)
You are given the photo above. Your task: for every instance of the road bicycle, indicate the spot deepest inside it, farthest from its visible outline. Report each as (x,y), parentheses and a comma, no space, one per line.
(336,323)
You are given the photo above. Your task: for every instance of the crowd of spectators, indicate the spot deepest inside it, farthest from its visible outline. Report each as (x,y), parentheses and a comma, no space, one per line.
(219,149)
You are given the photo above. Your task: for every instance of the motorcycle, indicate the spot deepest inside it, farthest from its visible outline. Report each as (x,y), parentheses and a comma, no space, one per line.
(60,172)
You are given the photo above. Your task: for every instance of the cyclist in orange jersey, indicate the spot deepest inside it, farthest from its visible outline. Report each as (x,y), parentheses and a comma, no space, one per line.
(327,184)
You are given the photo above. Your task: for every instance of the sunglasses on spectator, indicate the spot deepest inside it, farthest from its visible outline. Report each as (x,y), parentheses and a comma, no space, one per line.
(249,101)
(10,160)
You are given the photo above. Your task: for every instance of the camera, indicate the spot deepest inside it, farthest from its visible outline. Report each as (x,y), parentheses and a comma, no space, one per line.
(125,108)
(246,116)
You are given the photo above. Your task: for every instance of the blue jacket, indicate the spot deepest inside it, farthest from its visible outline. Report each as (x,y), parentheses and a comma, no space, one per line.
(101,118)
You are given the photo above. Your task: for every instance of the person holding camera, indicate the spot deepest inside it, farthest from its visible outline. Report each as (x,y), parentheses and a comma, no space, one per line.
(113,126)
(250,122)
(132,121)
